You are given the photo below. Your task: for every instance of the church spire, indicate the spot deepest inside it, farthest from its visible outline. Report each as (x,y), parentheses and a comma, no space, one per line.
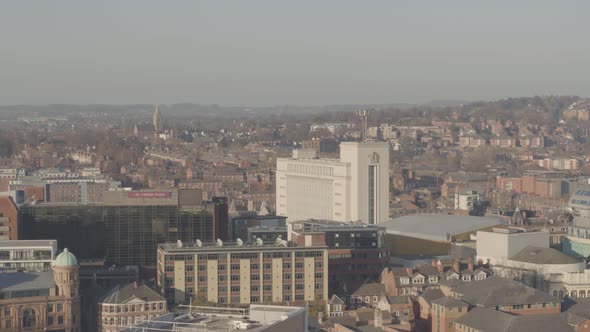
(157,119)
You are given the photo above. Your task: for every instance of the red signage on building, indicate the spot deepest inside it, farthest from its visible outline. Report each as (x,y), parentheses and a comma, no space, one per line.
(149,194)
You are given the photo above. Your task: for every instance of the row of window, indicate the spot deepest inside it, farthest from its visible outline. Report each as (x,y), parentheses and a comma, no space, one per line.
(133,307)
(236,267)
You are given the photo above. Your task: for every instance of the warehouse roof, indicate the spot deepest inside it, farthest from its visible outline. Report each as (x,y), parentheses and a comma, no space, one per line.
(438,227)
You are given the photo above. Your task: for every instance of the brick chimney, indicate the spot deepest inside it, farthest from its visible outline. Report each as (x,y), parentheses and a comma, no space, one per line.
(440,267)
(409,271)
(470,264)
(434,263)
(456,265)
(480,262)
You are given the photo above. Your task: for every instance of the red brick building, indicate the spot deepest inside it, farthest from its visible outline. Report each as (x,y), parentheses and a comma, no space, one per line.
(8,219)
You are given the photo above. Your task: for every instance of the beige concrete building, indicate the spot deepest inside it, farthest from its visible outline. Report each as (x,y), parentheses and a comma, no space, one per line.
(242,274)
(354,187)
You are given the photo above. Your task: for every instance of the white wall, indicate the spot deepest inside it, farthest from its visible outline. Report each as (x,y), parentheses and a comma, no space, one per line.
(334,189)
(501,246)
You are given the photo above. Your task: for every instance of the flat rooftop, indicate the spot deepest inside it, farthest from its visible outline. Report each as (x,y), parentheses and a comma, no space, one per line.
(27,243)
(438,227)
(257,318)
(212,246)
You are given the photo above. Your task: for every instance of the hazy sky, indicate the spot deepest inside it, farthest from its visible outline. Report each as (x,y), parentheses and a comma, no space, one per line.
(290,52)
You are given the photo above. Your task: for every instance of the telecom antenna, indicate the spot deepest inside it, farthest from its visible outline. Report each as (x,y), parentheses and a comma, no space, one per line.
(363,115)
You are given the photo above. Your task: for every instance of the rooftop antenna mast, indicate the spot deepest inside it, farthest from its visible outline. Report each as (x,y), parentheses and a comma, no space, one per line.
(363,115)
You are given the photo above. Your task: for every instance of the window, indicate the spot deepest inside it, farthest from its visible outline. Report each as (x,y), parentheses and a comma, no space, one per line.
(235,267)
(267,277)
(60,319)
(267,266)
(235,277)
(298,276)
(254,288)
(286,265)
(60,307)
(254,266)
(299,286)
(404,281)
(254,277)
(235,288)
(222,278)
(49,309)
(267,288)
(298,265)
(49,320)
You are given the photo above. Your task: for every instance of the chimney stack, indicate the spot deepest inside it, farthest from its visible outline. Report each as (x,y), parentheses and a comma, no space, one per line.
(409,271)
(456,265)
(480,262)
(434,263)
(440,267)
(470,264)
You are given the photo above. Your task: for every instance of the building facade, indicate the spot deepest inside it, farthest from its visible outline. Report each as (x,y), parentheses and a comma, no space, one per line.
(29,255)
(354,187)
(42,301)
(127,228)
(123,305)
(236,273)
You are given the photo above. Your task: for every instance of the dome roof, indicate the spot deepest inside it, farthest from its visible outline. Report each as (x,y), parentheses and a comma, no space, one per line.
(66,258)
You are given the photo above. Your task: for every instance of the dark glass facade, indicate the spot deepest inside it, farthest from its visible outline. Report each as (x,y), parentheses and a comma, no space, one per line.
(123,235)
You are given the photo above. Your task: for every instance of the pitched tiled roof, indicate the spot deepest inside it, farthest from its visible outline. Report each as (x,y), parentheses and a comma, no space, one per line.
(489,320)
(370,289)
(124,294)
(539,255)
(496,291)
(432,294)
(449,302)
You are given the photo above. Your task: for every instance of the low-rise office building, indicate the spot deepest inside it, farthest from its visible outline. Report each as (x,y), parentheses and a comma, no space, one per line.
(27,255)
(237,273)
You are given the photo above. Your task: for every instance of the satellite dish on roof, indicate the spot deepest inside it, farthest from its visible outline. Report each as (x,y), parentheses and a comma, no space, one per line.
(199,243)
(259,241)
(219,243)
(179,244)
(240,242)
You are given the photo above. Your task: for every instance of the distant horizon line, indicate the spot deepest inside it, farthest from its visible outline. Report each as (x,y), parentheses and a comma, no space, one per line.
(432,102)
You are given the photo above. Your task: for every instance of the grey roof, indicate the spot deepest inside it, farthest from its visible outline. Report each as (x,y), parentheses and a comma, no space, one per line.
(438,227)
(447,301)
(123,294)
(370,289)
(21,281)
(539,255)
(581,307)
(27,243)
(398,299)
(432,294)
(496,291)
(484,319)
(489,320)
